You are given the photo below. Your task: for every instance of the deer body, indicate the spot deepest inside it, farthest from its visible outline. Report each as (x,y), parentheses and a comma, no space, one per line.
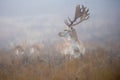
(35,48)
(19,49)
(70,33)
(77,46)
(65,48)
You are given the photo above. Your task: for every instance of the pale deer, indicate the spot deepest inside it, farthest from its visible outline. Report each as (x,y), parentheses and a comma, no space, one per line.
(20,49)
(65,48)
(35,48)
(70,33)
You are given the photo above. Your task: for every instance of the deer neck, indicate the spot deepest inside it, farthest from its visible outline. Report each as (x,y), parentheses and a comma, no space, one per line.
(73,35)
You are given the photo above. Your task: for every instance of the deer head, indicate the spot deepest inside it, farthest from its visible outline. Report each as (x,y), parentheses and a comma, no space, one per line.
(82,14)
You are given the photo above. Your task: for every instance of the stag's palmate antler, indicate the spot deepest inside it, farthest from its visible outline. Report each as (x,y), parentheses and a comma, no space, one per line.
(82,14)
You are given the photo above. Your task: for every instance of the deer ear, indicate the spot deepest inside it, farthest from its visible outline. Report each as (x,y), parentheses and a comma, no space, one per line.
(60,34)
(65,30)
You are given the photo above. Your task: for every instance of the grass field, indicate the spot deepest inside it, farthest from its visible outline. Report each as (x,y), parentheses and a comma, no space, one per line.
(98,64)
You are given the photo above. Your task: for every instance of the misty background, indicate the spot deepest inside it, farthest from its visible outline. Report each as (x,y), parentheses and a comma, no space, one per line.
(41,20)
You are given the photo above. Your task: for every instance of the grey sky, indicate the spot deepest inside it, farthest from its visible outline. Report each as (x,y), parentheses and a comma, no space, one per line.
(34,19)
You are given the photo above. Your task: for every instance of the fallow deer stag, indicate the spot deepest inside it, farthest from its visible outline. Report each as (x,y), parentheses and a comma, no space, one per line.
(81,14)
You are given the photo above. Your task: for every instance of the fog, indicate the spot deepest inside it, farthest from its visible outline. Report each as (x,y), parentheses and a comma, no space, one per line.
(38,20)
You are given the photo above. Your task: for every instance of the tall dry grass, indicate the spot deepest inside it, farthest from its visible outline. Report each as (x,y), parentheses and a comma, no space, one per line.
(98,64)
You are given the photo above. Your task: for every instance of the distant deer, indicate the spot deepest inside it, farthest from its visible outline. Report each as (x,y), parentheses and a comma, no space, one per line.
(70,32)
(35,48)
(20,49)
